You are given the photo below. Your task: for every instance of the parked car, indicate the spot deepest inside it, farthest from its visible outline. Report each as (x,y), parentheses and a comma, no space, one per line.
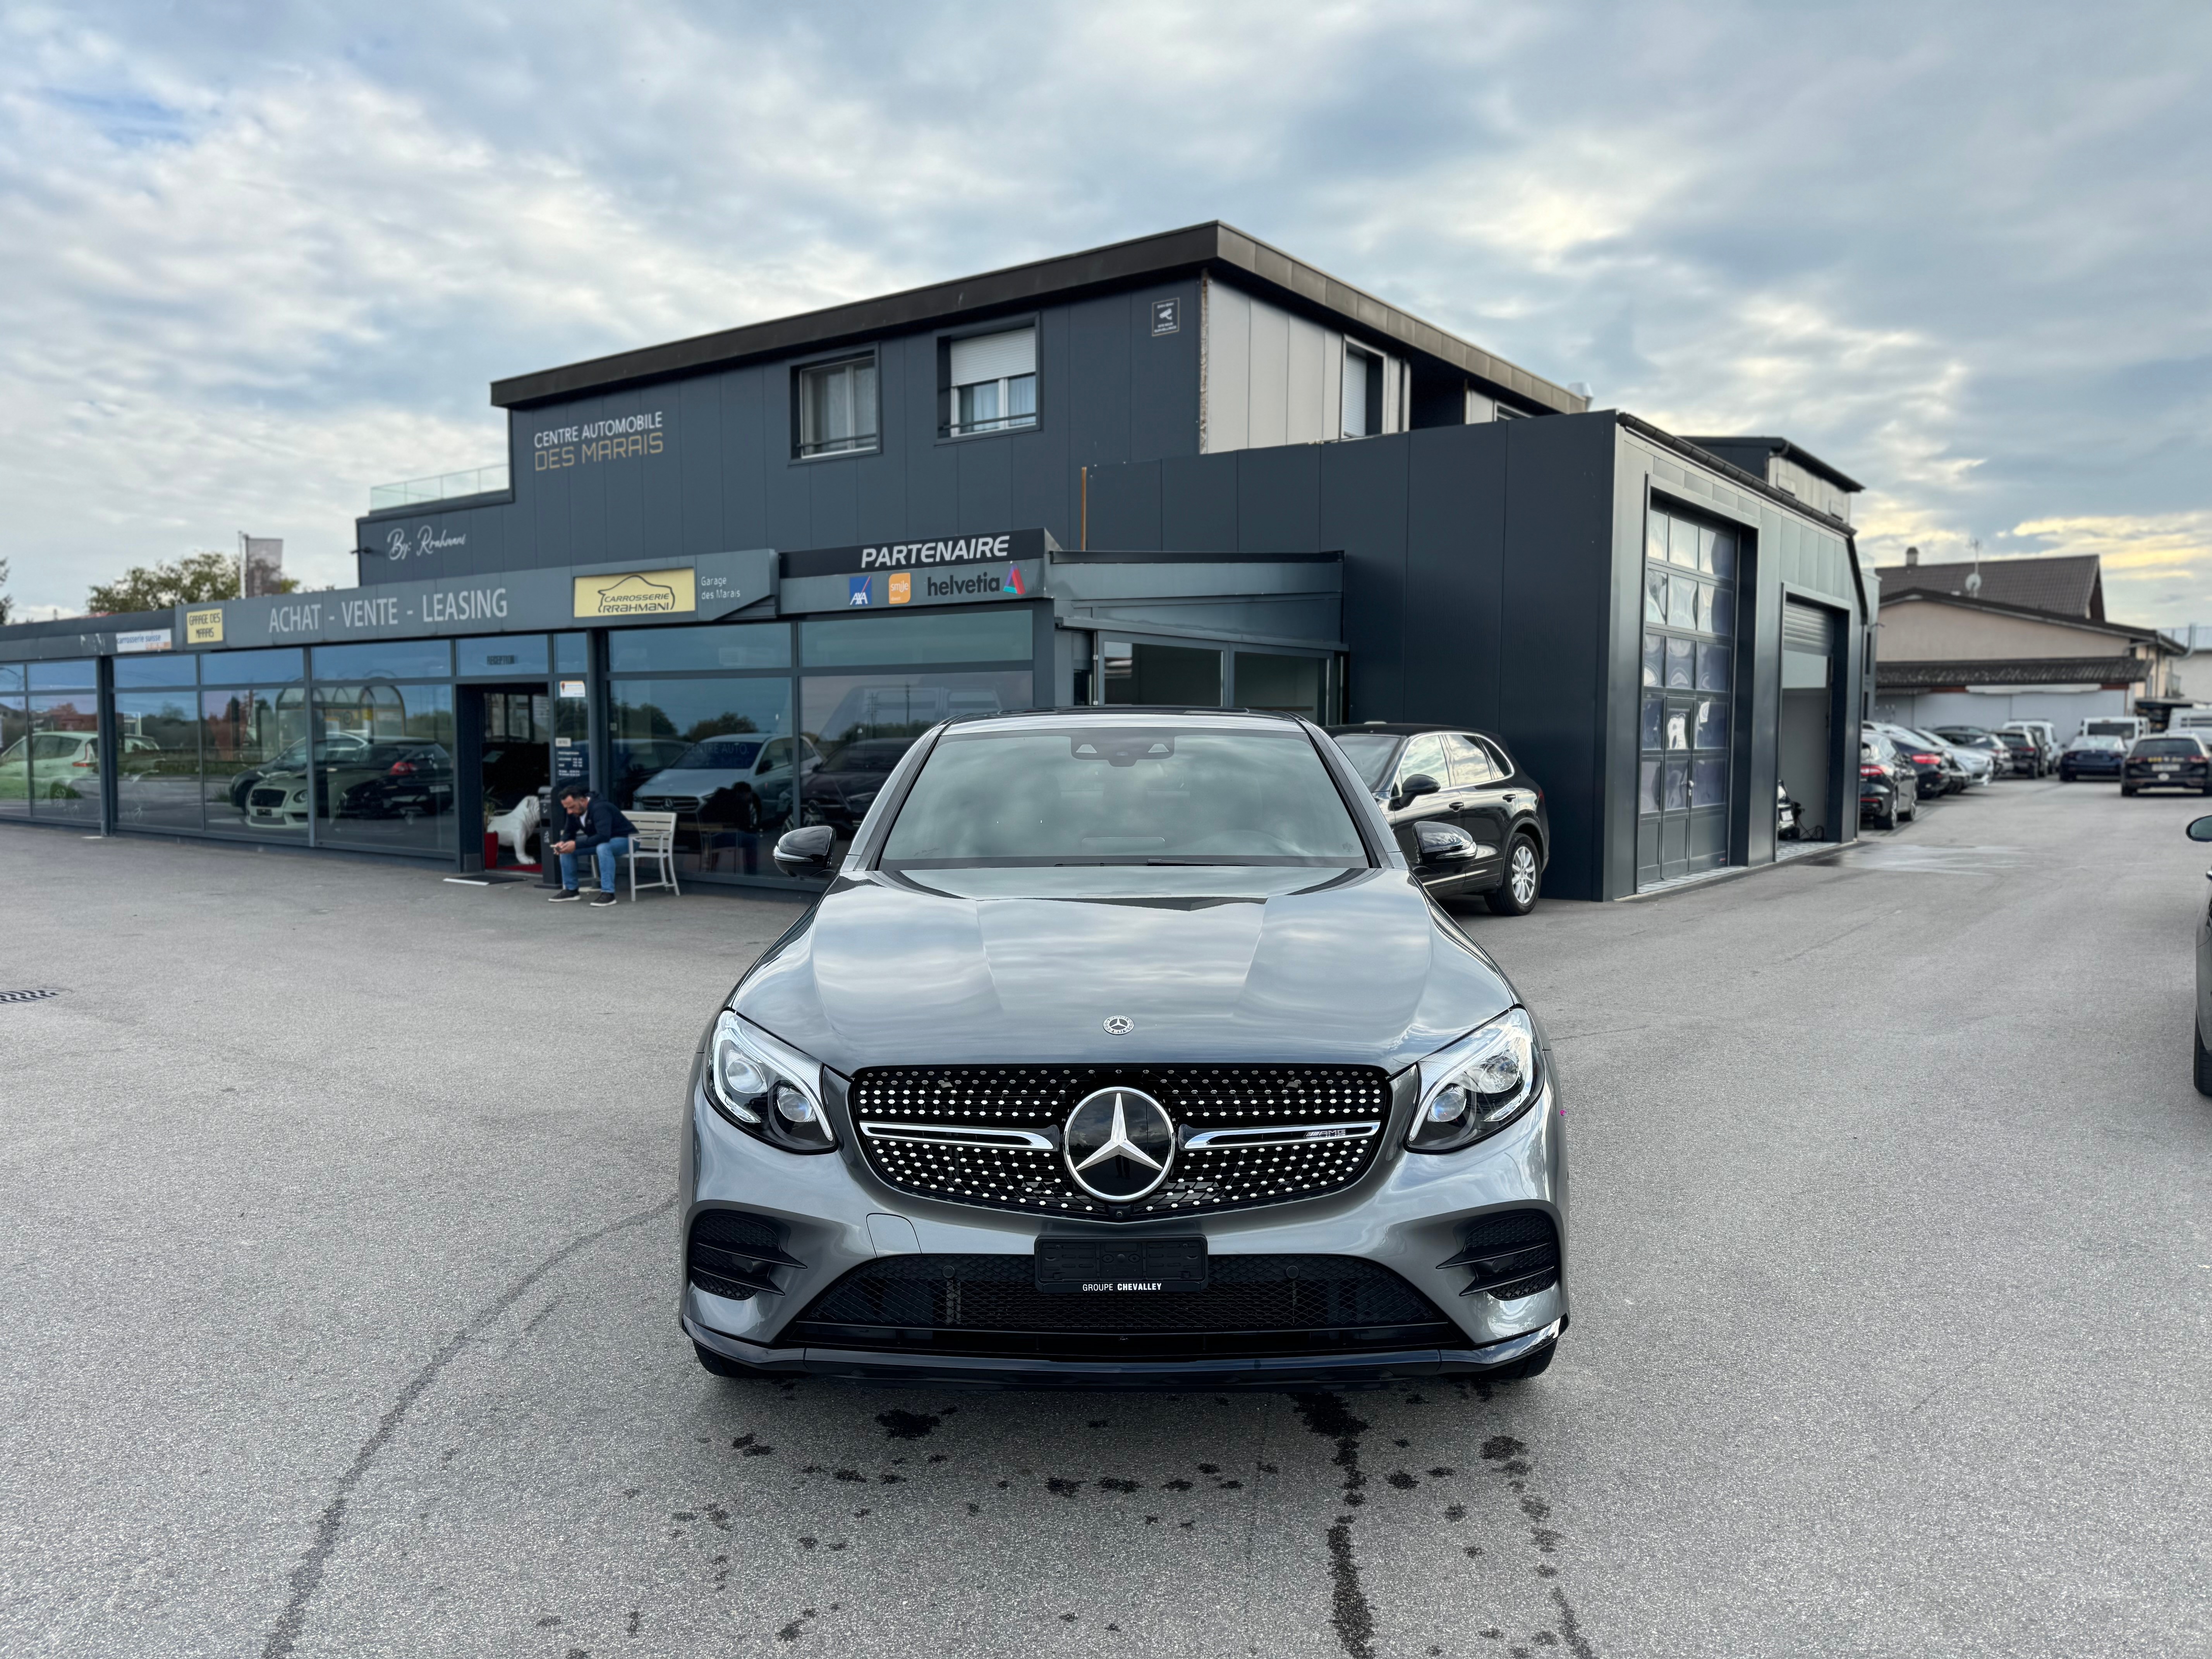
(1889,787)
(2092,756)
(2190,719)
(2172,762)
(1981,741)
(2044,736)
(416,782)
(1935,772)
(365,781)
(336,746)
(2201,830)
(743,781)
(1468,819)
(840,792)
(2126,728)
(58,765)
(2026,756)
(1976,766)
(1105,1007)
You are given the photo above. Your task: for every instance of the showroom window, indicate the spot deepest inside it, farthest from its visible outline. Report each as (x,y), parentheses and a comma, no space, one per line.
(15,753)
(837,407)
(1689,654)
(1140,674)
(991,382)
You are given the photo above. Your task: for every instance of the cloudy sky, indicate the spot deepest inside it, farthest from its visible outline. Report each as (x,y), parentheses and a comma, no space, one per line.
(258,258)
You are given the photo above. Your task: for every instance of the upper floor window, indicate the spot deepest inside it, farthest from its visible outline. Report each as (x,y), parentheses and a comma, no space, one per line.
(837,406)
(991,382)
(1363,393)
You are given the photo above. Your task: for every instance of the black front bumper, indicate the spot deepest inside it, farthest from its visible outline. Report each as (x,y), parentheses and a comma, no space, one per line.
(1297,1371)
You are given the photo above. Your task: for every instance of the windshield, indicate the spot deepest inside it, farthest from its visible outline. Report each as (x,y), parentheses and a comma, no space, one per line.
(1370,754)
(719,755)
(1124,795)
(2169,747)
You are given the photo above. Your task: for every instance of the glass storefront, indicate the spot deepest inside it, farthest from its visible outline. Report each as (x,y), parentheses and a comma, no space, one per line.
(1689,644)
(50,760)
(14,752)
(717,751)
(383,773)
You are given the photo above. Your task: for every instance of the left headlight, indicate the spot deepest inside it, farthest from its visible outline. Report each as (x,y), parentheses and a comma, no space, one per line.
(766,1088)
(1477,1086)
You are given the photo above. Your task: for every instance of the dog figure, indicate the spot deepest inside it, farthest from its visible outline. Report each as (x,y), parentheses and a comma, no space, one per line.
(517,826)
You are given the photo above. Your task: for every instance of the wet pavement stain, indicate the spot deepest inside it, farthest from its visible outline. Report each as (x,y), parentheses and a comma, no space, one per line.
(1350,1615)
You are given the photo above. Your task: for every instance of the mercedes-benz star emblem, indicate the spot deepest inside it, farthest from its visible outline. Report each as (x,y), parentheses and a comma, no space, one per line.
(1120,1025)
(1118,1144)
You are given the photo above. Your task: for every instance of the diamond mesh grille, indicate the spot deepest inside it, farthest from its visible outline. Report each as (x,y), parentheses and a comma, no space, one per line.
(1040,1097)
(1244,1294)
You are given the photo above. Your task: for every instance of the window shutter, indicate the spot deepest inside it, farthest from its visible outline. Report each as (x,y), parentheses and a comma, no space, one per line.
(994,356)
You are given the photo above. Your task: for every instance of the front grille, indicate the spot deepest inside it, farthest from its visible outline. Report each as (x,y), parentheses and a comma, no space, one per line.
(1034,1101)
(735,1255)
(1513,1253)
(1251,1304)
(266,797)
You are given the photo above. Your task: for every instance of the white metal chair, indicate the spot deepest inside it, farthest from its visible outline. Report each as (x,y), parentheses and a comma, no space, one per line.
(655,842)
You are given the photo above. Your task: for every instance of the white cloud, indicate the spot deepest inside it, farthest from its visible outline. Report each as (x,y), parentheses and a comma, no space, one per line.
(257,264)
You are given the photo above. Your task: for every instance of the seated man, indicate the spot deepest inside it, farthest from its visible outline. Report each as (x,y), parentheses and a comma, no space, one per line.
(588,825)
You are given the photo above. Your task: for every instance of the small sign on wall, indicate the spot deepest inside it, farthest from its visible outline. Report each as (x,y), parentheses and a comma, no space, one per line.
(1167,316)
(204,627)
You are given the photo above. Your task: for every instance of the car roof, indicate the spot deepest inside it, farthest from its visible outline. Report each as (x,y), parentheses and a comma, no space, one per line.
(1118,713)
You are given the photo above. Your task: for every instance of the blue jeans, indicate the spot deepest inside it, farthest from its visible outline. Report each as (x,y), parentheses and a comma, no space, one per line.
(608,852)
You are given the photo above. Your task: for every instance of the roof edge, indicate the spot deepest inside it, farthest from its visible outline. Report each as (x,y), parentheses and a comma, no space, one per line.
(1192,247)
(1782,446)
(1998,607)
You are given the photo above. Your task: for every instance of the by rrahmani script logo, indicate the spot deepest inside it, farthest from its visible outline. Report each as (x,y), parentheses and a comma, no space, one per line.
(636,594)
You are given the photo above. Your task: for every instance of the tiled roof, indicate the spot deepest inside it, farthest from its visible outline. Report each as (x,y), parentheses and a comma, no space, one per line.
(2016,670)
(2066,584)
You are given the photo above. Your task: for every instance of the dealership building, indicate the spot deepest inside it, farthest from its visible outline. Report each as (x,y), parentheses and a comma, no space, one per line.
(733,576)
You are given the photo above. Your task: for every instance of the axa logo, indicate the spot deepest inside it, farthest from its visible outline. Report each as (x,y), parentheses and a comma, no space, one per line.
(863,591)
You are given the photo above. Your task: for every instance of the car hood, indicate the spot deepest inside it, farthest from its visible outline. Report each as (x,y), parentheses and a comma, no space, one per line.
(1220,965)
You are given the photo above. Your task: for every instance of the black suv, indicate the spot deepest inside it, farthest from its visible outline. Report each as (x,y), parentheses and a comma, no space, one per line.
(1468,819)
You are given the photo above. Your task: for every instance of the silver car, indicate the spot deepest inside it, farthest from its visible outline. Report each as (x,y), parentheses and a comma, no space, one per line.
(1123,1050)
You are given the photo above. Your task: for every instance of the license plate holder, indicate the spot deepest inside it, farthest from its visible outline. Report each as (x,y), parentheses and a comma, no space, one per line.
(1120,1266)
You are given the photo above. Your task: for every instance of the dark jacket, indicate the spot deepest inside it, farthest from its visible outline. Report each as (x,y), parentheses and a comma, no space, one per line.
(600,820)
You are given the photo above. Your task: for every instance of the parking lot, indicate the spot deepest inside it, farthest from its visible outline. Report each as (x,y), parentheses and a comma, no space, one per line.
(341,1267)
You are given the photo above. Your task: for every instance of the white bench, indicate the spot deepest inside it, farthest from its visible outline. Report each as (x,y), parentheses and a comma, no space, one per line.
(655,842)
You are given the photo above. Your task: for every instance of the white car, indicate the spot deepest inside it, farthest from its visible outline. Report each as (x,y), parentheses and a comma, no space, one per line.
(739,779)
(58,765)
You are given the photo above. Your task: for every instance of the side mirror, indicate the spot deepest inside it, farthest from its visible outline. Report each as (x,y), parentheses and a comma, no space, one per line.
(2200,829)
(1445,843)
(1415,786)
(806,851)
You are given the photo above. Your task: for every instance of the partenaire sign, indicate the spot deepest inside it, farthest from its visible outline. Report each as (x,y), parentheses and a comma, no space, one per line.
(993,546)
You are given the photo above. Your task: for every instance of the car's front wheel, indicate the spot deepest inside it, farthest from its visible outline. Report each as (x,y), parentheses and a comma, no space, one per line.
(2203,1060)
(2127,789)
(1516,895)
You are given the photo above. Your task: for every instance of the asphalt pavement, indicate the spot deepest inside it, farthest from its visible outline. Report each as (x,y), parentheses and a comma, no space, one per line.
(339,1256)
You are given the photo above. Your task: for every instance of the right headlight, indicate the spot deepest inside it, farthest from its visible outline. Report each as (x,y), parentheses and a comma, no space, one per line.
(766,1087)
(1477,1086)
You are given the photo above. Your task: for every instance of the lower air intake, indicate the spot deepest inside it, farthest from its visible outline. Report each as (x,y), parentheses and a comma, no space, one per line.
(735,1255)
(1251,1304)
(1513,1253)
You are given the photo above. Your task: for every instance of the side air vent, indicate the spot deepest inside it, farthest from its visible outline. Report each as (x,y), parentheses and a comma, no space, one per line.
(735,1255)
(1512,1255)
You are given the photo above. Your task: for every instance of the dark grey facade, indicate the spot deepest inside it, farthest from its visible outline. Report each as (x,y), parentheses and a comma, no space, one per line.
(1226,478)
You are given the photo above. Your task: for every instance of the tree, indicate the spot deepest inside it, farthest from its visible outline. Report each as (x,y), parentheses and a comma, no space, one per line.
(193,579)
(7,604)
